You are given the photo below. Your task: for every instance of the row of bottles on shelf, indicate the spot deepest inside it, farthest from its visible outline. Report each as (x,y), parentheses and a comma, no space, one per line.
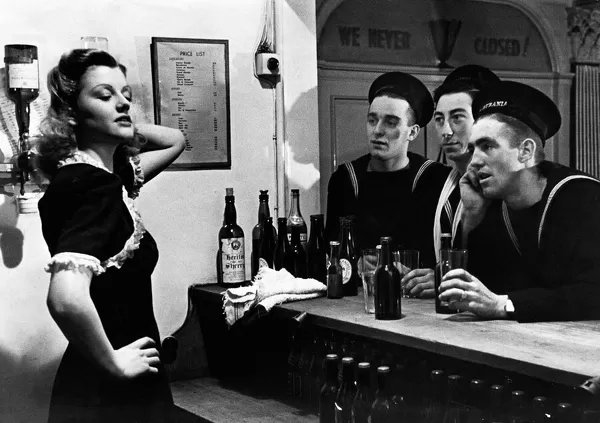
(361,380)
(288,247)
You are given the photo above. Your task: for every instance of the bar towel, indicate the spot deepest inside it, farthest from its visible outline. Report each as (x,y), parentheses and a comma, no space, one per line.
(269,288)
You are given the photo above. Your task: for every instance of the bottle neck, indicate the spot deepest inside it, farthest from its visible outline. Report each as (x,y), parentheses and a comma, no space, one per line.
(295,207)
(348,376)
(364,378)
(382,385)
(334,252)
(384,254)
(282,233)
(230,215)
(263,210)
(332,372)
(316,227)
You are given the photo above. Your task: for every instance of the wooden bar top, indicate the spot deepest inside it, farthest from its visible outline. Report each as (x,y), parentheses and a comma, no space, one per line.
(561,352)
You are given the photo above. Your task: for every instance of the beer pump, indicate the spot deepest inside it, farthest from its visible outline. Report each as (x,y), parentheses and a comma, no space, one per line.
(22,87)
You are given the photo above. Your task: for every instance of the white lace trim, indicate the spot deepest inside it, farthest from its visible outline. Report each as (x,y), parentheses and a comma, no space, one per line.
(74,261)
(138,176)
(133,243)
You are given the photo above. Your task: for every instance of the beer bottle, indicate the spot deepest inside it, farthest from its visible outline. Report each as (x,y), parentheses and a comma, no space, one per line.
(348,258)
(381,410)
(231,263)
(442,306)
(361,407)
(477,391)
(266,251)
(334,272)
(346,393)
(496,412)
(295,219)
(329,390)
(282,258)
(455,412)
(317,250)
(519,412)
(399,408)
(297,255)
(539,410)
(564,413)
(386,280)
(435,410)
(263,211)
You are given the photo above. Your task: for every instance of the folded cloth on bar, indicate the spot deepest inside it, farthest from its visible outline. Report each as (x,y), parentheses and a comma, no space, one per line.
(270,287)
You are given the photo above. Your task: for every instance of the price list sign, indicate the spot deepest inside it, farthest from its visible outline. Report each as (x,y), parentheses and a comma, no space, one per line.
(191,93)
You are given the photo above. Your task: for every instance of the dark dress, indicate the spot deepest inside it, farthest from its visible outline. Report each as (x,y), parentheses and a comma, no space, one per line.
(88,220)
(550,268)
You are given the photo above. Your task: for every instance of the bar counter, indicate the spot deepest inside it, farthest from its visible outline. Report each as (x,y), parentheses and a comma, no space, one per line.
(566,353)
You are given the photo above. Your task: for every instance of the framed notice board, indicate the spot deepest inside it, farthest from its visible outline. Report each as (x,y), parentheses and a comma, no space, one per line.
(191,92)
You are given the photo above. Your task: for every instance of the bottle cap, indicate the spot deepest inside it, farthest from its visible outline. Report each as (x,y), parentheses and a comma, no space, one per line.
(364,365)
(347,360)
(331,357)
(229,191)
(383,369)
(334,243)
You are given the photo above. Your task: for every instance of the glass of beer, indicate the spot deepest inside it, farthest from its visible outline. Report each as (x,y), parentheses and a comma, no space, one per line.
(405,261)
(367,264)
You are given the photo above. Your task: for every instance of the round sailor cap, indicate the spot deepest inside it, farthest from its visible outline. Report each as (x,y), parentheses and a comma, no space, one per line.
(466,78)
(408,87)
(521,101)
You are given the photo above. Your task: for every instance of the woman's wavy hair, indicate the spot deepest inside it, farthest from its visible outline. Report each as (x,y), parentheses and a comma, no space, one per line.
(58,129)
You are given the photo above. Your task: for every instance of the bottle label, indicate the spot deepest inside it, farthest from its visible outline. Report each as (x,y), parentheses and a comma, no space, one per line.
(346,270)
(262,263)
(23,75)
(233,260)
(303,238)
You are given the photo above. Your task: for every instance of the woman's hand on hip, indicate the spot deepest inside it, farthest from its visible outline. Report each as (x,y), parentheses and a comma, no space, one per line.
(138,358)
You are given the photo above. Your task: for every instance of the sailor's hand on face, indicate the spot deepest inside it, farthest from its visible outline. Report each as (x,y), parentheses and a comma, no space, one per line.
(471,194)
(419,283)
(467,293)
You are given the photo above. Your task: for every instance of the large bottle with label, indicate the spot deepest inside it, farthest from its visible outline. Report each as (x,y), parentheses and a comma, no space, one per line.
(295,219)
(348,257)
(231,260)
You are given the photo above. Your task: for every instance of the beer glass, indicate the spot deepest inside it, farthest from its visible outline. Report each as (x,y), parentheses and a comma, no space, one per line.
(405,261)
(367,264)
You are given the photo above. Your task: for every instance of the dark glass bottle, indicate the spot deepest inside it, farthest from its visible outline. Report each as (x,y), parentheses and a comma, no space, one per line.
(399,408)
(231,263)
(386,280)
(381,410)
(361,407)
(329,390)
(294,383)
(519,411)
(348,258)
(282,257)
(455,412)
(477,391)
(564,413)
(442,306)
(346,393)
(263,211)
(436,407)
(314,373)
(295,219)
(266,250)
(334,272)
(539,410)
(496,412)
(317,250)
(297,255)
